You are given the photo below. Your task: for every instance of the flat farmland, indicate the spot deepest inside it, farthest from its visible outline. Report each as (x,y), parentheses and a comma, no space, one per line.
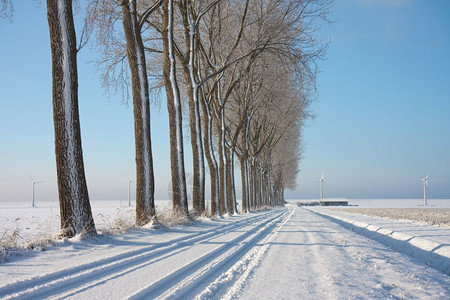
(425,215)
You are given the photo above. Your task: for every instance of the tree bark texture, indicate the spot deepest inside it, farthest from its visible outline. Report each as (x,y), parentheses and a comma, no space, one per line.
(179,195)
(75,209)
(198,162)
(222,165)
(244,168)
(229,181)
(145,186)
(233,184)
(244,208)
(210,157)
(253,183)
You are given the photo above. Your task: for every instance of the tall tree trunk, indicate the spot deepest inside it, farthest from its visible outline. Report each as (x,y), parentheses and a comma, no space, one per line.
(179,195)
(220,122)
(198,161)
(229,181)
(244,207)
(265,188)
(210,157)
(233,183)
(222,162)
(75,209)
(259,194)
(145,186)
(244,168)
(252,183)
(222,173)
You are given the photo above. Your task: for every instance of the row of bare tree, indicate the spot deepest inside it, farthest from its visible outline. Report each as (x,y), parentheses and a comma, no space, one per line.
(245,69)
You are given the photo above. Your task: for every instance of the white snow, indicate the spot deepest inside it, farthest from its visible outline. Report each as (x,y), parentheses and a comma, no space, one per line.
(428,244)
(285,253)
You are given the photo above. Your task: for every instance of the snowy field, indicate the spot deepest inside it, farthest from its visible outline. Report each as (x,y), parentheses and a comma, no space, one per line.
(287,253)
(429,216)
(40,225)
(42,222)
(436,212)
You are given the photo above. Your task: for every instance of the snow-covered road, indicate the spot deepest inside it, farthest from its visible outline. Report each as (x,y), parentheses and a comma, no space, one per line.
(288,253)
(314,258)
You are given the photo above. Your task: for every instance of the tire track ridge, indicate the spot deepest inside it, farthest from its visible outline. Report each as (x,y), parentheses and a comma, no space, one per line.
(157,288)
(173,250)
(31,286)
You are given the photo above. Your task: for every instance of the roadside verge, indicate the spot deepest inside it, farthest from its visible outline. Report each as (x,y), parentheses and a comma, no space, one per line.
(432,253)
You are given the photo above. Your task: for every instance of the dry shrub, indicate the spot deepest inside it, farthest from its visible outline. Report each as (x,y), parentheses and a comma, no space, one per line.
(262,208)
(206,213)
(168,218)
(119,223)
(10,244)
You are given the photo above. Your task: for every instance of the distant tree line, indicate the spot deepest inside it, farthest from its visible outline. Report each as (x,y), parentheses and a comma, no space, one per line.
(244,69)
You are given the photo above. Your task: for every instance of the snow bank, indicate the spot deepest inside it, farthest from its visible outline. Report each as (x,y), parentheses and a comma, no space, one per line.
(424,215)
(432,253)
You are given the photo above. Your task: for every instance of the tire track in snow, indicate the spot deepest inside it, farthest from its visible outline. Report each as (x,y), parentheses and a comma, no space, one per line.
(318,239)
(294,258)
(70,281)
(191,279)
(234,279)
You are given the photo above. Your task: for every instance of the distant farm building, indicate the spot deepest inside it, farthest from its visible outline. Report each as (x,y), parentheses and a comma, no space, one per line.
(334,202)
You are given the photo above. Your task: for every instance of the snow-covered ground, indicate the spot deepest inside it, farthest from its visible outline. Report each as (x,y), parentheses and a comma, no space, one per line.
(286,253)
(423,215)
(43,221)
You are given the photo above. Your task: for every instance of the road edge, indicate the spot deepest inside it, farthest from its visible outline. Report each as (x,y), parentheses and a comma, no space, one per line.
(428,252)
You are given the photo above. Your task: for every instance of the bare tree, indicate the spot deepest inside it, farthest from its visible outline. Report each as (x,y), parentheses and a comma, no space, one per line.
(191,13)
(6,9)
(222,41)
(76,215)
(179,194)
(206,95)
(102,17)
(145,204)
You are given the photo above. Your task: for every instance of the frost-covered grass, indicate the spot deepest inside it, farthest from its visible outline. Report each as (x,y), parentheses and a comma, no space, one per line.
(429,216)
(12,243)
(118,223)
(8,241)
(24,228)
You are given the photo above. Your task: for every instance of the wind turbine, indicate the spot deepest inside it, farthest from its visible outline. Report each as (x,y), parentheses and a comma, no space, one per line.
(129,190)
(321,187)
(425,184)
(33,183)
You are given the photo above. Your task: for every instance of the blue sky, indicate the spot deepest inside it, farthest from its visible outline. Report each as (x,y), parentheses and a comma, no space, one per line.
(384,102)
(383,111)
